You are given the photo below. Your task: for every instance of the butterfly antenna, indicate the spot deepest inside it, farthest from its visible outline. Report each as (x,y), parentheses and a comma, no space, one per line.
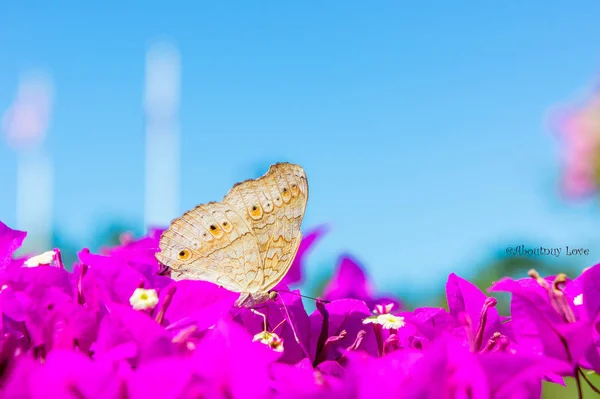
(304,296)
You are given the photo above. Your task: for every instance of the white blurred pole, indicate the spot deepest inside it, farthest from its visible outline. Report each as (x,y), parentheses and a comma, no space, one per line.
(162,134)
(25,125)
(34,198)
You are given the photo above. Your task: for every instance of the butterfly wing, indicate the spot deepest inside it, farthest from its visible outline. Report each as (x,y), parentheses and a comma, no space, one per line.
(213,242)
(273,205)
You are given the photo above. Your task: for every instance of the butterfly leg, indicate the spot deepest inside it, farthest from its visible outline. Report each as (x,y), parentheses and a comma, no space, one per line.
(262,315)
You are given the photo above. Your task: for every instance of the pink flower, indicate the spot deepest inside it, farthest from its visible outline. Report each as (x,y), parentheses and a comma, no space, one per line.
(26,121)
(579,128)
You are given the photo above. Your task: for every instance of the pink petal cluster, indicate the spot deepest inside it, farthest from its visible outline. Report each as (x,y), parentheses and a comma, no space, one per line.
(117,327)
(26,121)
(579,128)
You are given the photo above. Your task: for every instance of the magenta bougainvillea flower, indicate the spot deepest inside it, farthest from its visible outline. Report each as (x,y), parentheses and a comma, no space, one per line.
(296,273)
(10,241)
(113,325)
(351,281)
(545,322)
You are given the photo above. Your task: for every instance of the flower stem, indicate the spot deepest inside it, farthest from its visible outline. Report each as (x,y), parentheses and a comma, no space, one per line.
(80,298)
(58,258)
(587,380)
(378,329)
(323,335)
(165,303)
(578,381)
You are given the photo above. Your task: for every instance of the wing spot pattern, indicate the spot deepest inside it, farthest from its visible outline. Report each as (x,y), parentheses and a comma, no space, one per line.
(249,240)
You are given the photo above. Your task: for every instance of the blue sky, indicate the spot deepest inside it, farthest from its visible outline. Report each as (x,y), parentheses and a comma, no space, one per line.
(421,128)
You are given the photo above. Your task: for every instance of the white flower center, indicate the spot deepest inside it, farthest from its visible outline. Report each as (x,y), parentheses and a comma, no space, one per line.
(42,259)
(143,299)
(388,321)
(272,340)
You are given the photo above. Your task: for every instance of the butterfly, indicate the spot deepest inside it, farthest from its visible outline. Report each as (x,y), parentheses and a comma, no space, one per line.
(247,242)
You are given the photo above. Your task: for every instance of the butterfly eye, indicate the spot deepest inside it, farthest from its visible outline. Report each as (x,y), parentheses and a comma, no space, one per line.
(227,226)
(256,212)
(184,254)
(295,189)
(215,230)
(285,193)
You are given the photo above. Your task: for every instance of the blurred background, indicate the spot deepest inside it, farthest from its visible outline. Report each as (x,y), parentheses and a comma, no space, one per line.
(433,137)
